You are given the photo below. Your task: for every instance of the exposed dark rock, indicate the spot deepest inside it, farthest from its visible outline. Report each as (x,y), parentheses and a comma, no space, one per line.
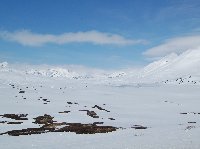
(45,101)
(21,91)
(46,119)
(189,127)
(192,122)
(138,127)
(28,131)
(14,122)
(100,108)
(79,128)
(91,113)
(183,113)
(2,122)
(49,125)
(16,116)
(111,119)
(189,113)
(64,112)
(70,103)
(95,123)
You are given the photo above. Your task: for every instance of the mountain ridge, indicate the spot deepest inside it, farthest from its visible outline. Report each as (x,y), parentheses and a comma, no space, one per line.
(170,67)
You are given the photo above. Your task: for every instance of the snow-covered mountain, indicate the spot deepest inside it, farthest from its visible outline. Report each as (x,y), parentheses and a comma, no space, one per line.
(53,72)
(41,103)
(158,66)
(171,68)
(3,65)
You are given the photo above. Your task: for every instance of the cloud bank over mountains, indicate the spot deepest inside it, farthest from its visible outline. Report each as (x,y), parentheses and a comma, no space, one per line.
(28,38)
(175,45)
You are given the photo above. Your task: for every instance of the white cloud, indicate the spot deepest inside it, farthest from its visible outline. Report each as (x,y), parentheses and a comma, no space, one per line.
(177,45)
(29,38)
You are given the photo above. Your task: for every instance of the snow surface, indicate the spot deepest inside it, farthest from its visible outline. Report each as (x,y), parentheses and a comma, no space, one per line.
(153,96)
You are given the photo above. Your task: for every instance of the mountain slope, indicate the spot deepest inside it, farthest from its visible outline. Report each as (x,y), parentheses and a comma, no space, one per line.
(172,66)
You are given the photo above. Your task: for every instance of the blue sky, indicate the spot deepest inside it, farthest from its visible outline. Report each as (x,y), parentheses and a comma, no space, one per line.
(96,33)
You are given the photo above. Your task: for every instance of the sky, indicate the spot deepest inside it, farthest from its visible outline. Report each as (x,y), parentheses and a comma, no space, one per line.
(97,33)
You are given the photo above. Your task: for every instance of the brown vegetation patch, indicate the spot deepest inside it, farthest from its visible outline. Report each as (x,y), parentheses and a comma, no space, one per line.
(45,119)
(79,128)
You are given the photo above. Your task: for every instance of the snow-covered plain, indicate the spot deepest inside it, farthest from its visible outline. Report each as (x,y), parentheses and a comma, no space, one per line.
(163,97)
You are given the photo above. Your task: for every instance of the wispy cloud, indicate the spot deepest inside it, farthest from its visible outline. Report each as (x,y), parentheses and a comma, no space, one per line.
(177,45)
(28,38)
(179,9)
